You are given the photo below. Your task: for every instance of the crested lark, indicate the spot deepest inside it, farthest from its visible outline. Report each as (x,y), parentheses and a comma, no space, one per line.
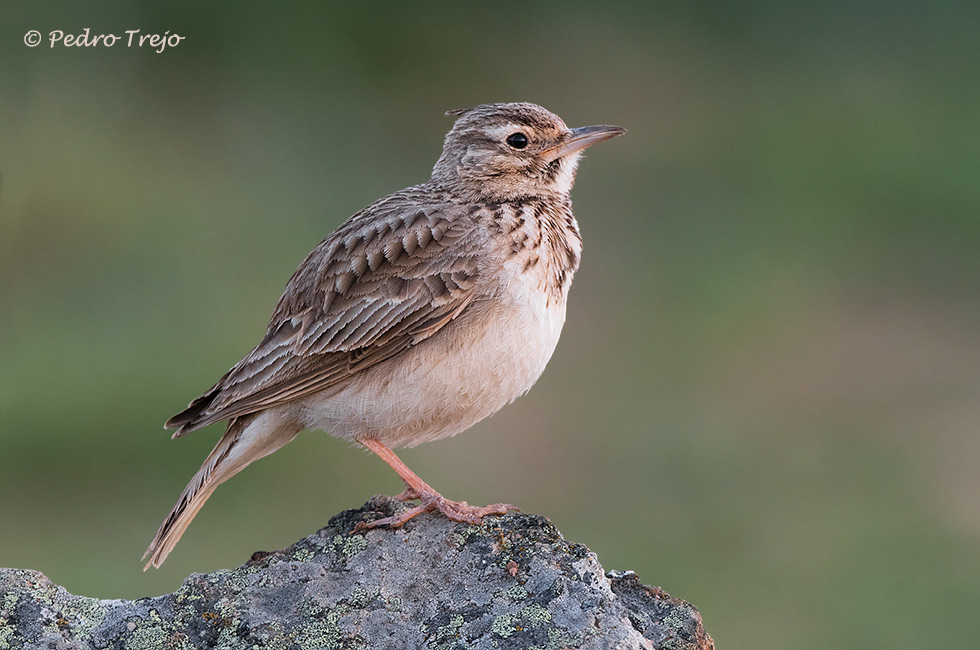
(422,314)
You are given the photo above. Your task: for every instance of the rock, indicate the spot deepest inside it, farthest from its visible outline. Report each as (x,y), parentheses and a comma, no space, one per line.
(434,584)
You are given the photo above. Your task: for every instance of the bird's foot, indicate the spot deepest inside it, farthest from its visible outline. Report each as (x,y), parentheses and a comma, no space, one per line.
(430,502)
(408,494)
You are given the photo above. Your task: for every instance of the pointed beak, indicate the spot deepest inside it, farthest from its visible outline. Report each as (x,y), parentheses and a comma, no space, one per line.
(582,137)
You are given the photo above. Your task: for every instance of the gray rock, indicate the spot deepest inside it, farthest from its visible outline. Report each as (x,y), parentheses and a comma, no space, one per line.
(434,584)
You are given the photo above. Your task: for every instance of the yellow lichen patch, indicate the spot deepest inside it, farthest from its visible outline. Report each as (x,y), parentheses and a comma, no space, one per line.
(348,545)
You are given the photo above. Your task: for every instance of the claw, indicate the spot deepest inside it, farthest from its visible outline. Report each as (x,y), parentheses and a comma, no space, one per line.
(408,494)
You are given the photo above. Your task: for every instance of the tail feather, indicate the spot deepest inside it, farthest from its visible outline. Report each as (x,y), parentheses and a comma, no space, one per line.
(246,439)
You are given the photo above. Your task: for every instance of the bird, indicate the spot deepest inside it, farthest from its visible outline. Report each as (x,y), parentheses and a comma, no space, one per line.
(422,314)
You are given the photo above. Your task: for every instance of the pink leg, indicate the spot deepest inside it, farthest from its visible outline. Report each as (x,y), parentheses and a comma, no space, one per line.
(416,488)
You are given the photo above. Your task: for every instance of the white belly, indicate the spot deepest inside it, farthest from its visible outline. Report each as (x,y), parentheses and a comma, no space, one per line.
(469,370)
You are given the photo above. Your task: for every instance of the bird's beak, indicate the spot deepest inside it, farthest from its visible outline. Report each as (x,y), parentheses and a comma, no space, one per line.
(582,137)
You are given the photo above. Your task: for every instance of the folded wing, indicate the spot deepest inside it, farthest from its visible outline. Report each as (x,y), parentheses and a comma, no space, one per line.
(374,288)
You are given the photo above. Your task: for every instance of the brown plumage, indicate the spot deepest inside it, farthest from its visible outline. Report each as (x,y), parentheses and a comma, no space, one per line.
(422,314)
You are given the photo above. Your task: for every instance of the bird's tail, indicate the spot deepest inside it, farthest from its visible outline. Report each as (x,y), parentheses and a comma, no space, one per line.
(246,439)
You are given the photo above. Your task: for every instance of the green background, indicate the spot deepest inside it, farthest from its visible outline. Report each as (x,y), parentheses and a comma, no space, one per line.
(765,399)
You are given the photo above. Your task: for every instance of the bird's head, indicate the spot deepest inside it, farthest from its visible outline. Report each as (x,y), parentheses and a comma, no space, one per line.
(512,151)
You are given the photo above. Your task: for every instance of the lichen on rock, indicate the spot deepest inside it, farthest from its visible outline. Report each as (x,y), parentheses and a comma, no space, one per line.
(510,583)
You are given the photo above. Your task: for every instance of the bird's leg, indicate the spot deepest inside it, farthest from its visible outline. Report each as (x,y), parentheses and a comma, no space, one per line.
(416,488)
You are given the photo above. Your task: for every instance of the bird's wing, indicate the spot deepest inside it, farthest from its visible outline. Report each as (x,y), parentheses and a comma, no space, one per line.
(391,276)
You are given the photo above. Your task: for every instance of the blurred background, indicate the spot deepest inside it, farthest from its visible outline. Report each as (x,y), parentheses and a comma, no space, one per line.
(765,399)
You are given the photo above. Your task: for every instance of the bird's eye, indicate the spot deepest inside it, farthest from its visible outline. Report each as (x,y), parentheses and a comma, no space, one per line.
(517,140)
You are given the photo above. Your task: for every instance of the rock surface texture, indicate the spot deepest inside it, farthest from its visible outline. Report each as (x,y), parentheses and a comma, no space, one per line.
(434,584)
